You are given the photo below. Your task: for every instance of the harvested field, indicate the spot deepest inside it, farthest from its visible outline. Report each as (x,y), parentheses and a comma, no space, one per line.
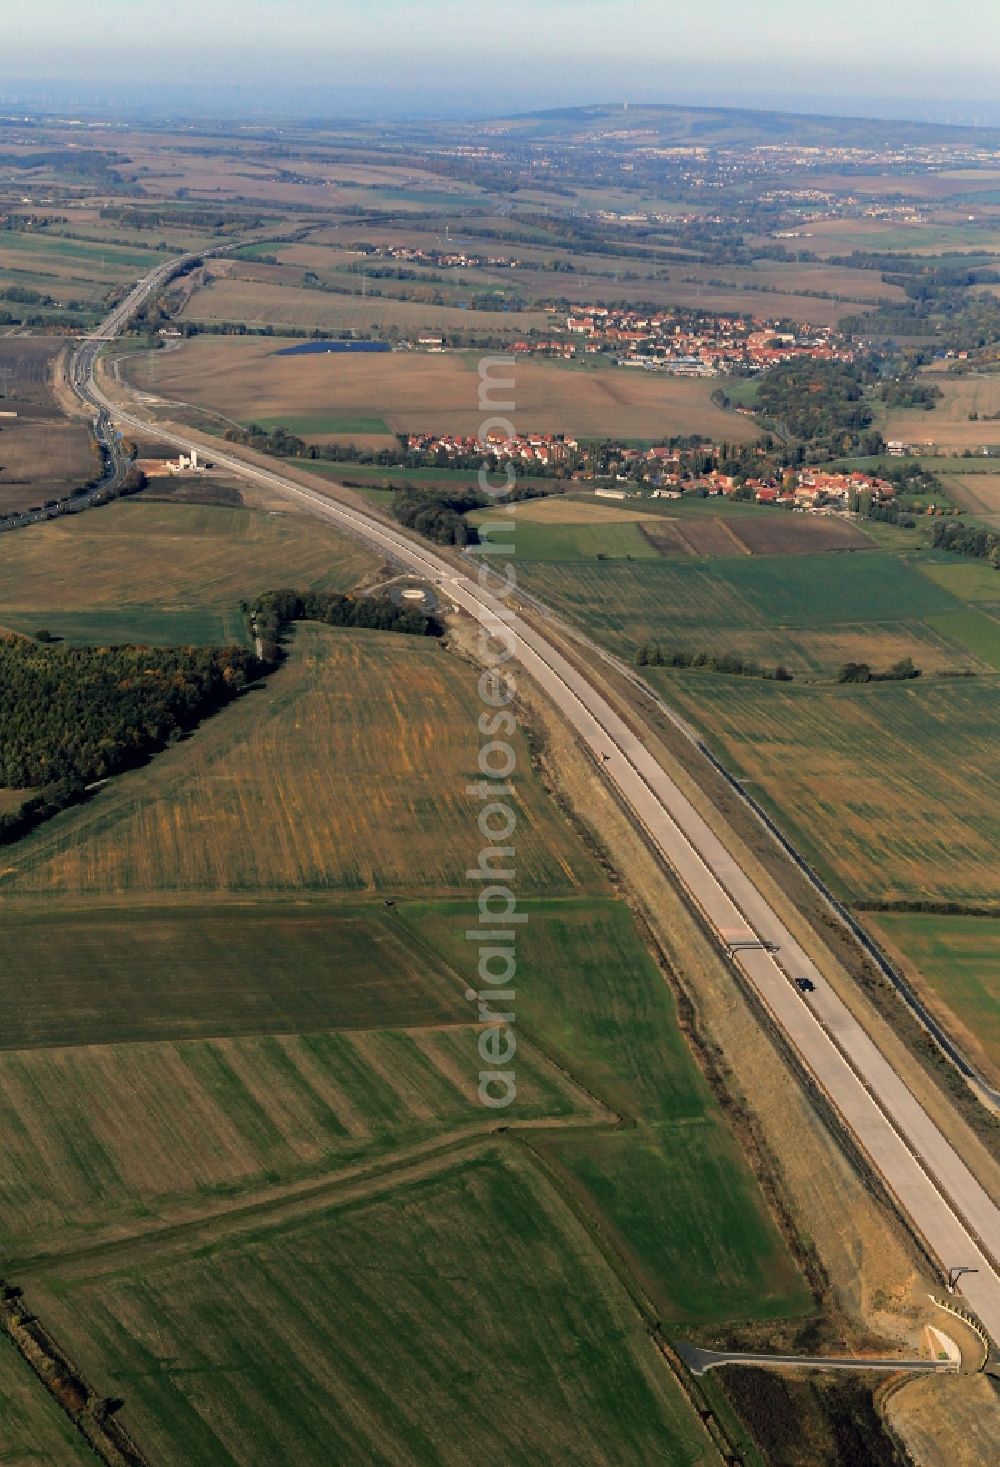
(955,964)
(561,509)
(346,771)
(42,460)
(954,1429)
(977,493)
(42,456)
(700,536)
(317,427)
(26,365)
(841,236)
(724,288)
(315,1326)
(891,789)
(949,183)
(948,426)
(765,304)
(278,305)
(782,533)
(170,557)
(808,275)
(246,379)
(13,799)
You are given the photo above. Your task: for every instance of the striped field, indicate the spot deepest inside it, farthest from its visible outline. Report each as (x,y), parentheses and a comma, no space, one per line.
(347,771)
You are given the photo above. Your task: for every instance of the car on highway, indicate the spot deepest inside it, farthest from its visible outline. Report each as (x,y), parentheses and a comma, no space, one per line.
(805,985)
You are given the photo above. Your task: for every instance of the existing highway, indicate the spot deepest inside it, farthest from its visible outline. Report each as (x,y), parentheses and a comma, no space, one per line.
(932,1185)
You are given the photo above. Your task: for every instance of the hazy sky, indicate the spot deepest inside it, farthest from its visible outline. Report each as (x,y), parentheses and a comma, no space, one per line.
(510,54)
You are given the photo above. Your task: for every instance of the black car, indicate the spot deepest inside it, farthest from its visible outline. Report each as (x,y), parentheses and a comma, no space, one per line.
(805,984)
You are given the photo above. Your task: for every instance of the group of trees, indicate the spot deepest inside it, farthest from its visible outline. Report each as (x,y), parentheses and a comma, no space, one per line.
(823,406)
(215,221)
(274,610)
(73,715)
(941,301)
(965,539)
(861,672)
(20,306)
(439,515)
(275,441)
(906,392)
(650,654)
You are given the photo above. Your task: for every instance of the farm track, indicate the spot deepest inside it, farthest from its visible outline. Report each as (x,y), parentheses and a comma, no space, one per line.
(945,1203)
(298,1201)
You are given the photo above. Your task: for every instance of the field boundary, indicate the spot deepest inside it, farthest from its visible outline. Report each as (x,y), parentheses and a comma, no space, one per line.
(92,1415)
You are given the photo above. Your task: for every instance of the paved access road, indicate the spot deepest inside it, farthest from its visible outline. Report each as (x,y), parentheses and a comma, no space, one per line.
(932,1185)
(699,1361)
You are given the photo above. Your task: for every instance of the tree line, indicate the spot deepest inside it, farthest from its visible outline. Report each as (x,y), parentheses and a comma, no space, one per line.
(651,654)
(70,716)
(861,672)
(439,515)
(966,539)
(269,615)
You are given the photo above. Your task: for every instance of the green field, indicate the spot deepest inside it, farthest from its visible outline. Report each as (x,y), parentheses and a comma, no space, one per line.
(972,629)
(970,580)
(161,1055)
(747,591)
(144,625)
(891,789)
(215,1136)
(296,1216)
(42,248)
(376,474)
(35,1430)
(456,1292)
(957,963)
(669,1187)
(812,612)
(134,973)
(561,542)
(244,1163)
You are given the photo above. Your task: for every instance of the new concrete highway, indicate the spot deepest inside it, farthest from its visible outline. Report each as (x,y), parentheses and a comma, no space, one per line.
(931,1184)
